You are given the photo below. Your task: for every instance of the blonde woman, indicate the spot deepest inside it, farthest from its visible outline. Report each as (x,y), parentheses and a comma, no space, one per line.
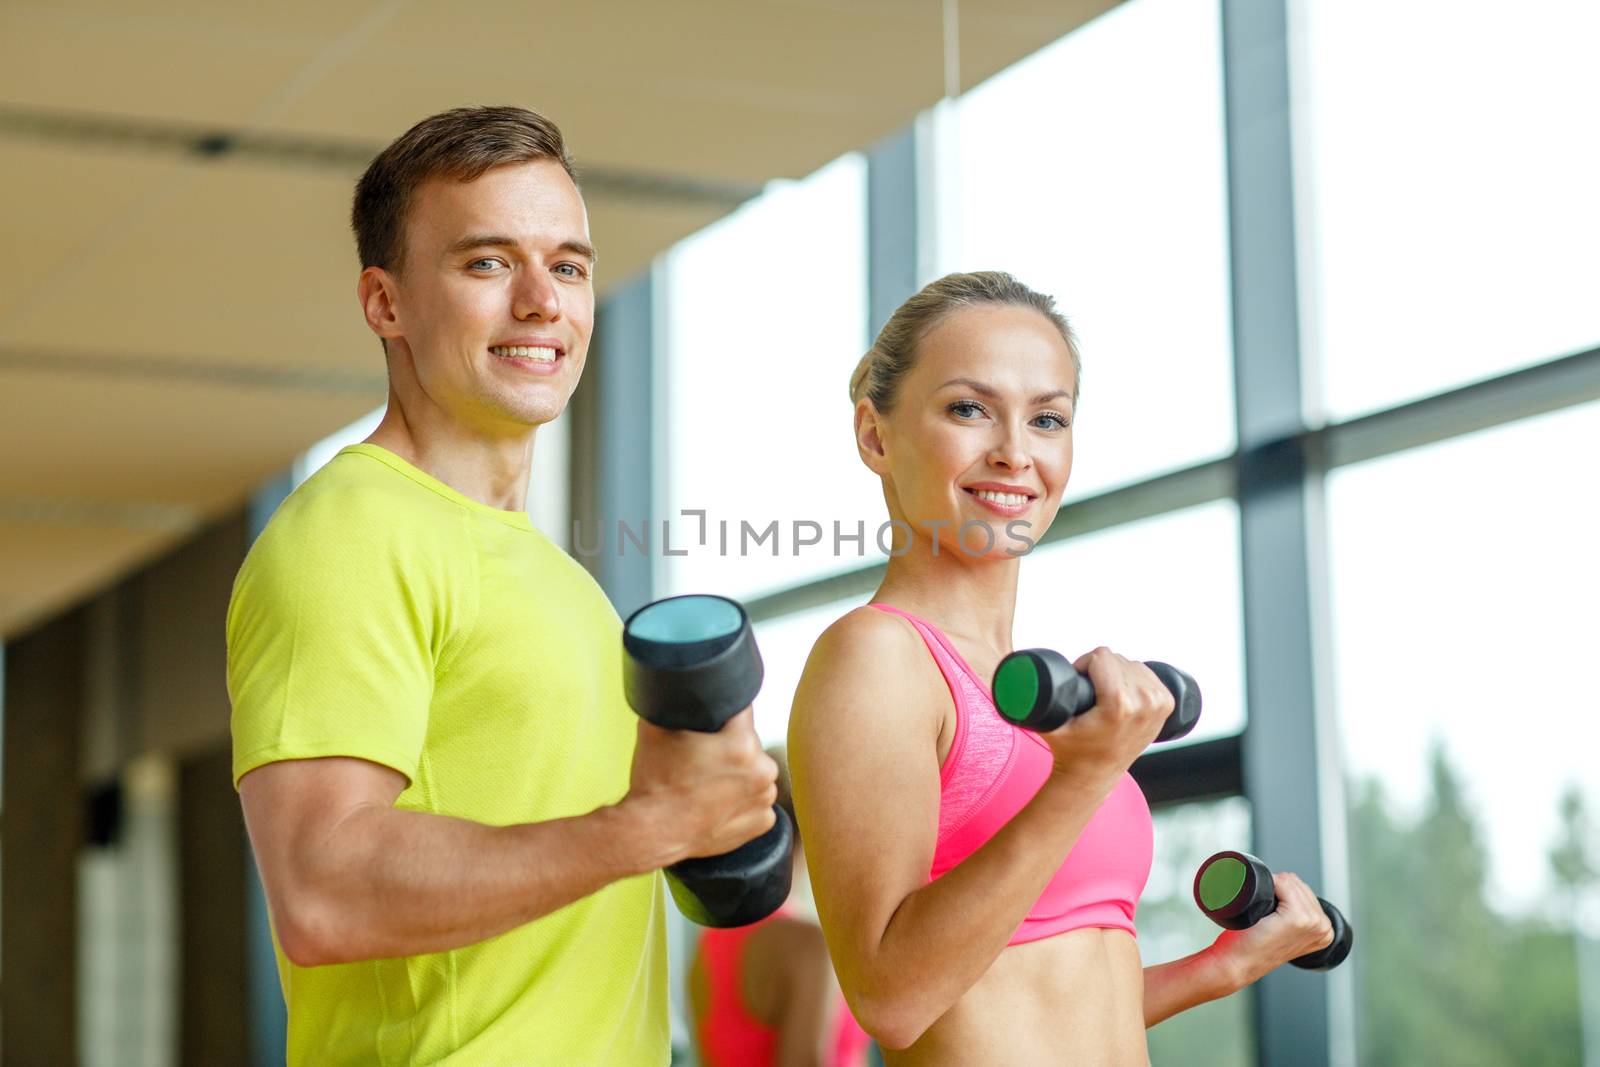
(978,883)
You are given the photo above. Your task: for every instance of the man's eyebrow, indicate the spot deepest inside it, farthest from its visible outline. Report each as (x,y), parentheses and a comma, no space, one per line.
(481,240)
(578,248)
(988,391)
(495,240)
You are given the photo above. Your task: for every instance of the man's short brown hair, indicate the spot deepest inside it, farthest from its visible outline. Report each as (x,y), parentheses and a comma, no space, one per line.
(461,143)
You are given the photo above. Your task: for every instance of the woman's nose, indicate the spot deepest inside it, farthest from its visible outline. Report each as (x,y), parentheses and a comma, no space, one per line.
(1009,453)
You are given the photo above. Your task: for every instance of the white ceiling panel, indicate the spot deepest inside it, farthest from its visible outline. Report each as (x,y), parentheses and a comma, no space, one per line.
(177,309)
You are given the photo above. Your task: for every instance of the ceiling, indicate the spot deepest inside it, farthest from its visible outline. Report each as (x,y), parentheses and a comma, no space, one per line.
(177,311)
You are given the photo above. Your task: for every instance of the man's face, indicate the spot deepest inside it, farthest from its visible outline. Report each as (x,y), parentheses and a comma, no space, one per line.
(495,298)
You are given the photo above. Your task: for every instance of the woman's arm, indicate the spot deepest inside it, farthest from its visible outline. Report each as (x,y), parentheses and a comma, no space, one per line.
(1181,984)
(1239,957)
(863,752)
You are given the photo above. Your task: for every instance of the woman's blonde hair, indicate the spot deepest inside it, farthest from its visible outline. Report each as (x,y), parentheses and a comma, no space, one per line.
(887,362)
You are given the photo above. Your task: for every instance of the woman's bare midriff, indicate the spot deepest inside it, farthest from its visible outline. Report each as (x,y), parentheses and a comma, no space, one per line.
(1076,998)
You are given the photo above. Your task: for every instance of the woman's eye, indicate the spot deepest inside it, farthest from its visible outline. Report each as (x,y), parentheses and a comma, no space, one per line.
(966,408)
(1057,422)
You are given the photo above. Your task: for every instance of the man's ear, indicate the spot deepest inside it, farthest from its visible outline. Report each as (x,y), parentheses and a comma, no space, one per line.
(869,437)
(380,302)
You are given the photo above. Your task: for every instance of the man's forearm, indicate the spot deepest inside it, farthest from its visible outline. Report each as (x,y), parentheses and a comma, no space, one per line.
(388,882)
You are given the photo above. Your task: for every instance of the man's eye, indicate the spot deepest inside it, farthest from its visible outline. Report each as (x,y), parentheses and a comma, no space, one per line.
(485,264)
(570,270)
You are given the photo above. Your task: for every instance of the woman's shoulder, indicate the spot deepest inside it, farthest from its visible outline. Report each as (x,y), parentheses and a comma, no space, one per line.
(867,635)
(867,652)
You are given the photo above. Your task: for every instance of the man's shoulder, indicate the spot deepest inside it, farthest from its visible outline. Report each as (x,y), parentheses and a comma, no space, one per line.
(352,516)
(354,496)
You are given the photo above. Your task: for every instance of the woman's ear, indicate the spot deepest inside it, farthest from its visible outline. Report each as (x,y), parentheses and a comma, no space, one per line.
(869,437)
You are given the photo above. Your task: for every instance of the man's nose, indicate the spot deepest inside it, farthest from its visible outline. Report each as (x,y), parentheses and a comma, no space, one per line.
(536,297)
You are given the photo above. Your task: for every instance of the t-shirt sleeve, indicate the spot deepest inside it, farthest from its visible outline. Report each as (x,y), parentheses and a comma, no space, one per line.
(334,635)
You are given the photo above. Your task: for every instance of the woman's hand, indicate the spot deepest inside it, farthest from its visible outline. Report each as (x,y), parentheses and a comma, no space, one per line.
(1131,706)
(1296,927)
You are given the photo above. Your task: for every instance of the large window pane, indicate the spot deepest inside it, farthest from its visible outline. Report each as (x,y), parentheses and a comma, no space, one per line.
(1165,588)
(1093,170)
(1448,179)
(785,643)
(1170,927)
(766,318)
(1464,585)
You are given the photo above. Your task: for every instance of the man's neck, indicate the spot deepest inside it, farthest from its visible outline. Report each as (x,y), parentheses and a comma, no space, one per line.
(492,471)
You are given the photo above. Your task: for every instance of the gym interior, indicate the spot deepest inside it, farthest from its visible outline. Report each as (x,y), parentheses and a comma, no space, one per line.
(1332,268)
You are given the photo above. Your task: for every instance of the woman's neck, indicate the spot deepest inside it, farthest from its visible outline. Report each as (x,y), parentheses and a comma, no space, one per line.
(975,597)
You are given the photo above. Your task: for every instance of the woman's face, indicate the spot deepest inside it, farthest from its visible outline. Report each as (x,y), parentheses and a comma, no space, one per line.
(978,445)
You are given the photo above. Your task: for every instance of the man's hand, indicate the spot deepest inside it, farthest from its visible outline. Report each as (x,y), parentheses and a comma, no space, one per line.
(702,794)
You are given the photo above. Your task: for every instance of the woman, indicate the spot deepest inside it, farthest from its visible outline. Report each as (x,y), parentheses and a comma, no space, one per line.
(765,995)
(961,929)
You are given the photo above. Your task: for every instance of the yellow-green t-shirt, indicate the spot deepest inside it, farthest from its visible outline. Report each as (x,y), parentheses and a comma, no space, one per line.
(383,615)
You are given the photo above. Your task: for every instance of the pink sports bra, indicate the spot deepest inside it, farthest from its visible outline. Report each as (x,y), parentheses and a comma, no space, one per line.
(993,770)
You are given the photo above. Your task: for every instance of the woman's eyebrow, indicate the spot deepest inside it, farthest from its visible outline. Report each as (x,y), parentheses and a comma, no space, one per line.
(985,390)
(973,384)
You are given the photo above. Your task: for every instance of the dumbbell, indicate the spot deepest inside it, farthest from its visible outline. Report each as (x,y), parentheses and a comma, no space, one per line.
(691,663)
(1235,891)
(1038,689)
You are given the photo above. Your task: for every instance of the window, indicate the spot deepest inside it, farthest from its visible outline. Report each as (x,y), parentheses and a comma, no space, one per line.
(1166,588)
(1094,171)
(1447,186)
(766,318)
(1464,580)
(1217,1034)
(785,644)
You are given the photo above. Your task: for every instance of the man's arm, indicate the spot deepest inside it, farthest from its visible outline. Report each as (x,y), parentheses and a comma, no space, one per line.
(350,877)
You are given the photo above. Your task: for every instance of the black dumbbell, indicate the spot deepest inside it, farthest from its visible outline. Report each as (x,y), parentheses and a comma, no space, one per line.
(691,663)
(1235,891)
(1038,689)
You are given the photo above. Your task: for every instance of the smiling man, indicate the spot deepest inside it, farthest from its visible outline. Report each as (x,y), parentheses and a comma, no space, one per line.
(456,817)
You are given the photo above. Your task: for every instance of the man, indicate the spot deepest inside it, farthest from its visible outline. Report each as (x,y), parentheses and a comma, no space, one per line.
(456,817)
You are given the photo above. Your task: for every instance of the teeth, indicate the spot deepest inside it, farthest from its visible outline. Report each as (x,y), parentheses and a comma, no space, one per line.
(538,353)
(1008,499)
